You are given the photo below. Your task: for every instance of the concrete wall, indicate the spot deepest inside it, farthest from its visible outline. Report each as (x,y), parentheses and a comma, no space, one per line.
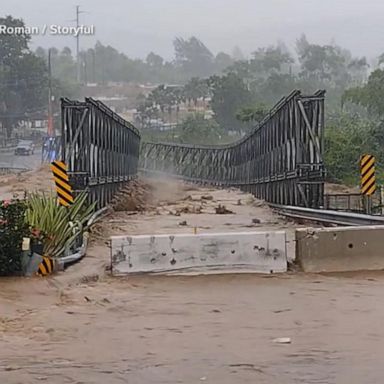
(340,249)
(263,252)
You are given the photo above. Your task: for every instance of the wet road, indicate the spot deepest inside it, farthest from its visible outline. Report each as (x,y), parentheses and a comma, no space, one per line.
(8,159)
(12,183)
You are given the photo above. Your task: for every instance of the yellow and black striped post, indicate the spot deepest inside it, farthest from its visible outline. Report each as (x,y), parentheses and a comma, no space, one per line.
(63,188)
(368,179)
(45,267)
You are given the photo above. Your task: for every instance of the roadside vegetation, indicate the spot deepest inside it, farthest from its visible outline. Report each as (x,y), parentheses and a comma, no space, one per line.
(54,231)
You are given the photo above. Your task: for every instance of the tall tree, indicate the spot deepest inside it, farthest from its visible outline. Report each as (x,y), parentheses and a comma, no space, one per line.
(238,54)
(223,61)
(63,65)
(252,114)
(358,69)
(195,129)
(229,94)
(23,77)
(13,45)
(195,89)
(327,63)
(371,95)
(193,57)
(271,59)
(154,60)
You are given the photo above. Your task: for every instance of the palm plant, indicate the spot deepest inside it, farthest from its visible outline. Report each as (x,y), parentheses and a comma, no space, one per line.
(57,227)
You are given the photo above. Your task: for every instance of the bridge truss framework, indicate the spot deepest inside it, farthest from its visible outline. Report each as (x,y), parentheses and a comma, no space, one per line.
(280,161)
(100,148)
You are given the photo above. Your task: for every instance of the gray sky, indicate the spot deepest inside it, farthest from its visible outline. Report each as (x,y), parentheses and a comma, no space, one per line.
(139,26)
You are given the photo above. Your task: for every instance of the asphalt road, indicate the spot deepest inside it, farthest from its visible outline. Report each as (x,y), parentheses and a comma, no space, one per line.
(8,159)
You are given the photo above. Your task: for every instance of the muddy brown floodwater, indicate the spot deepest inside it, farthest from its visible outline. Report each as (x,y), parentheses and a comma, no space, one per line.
(84,327)
(214,329)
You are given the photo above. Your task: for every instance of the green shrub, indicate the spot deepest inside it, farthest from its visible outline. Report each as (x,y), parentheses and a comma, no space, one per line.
(346,139)
(12,230)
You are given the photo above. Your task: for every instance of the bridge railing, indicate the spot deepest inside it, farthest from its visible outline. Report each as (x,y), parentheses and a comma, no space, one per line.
(100,148)
(280,161)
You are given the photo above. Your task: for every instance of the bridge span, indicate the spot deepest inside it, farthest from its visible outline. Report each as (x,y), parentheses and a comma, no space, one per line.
(280,161)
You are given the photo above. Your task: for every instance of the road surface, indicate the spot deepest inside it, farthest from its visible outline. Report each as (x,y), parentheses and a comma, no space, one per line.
(8,159)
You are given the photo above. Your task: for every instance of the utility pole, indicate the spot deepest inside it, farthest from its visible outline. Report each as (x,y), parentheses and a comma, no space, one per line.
(78,43)
(93,66)
(51,131)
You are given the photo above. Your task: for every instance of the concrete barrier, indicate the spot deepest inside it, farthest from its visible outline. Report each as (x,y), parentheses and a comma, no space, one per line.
(263,252)
(340,249)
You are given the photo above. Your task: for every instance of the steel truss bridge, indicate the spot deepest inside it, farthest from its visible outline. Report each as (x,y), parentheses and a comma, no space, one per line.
(280,161)
(100,148)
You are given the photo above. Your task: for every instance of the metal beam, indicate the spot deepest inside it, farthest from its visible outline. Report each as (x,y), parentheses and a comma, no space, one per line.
(267,162)
(101,148)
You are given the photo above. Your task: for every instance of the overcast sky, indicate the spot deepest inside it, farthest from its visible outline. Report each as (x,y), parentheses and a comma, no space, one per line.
(138,27)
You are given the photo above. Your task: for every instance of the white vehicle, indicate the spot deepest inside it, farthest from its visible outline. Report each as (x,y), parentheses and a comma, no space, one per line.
(25,147)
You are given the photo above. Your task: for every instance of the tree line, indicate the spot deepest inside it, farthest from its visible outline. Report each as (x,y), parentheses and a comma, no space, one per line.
(241,96)
(103,64)
(239,90)
(24,80)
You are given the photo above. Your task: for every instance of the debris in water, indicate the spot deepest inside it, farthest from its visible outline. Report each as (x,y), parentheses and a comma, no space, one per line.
(282,340)
(222,210)
(282,310)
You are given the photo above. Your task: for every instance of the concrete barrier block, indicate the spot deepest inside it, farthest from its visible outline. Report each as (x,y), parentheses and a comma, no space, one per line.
(340,249)
(263,252)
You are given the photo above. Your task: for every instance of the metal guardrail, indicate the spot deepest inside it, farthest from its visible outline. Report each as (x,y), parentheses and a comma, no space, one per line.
(83,239)
(328,217)
(354,202)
